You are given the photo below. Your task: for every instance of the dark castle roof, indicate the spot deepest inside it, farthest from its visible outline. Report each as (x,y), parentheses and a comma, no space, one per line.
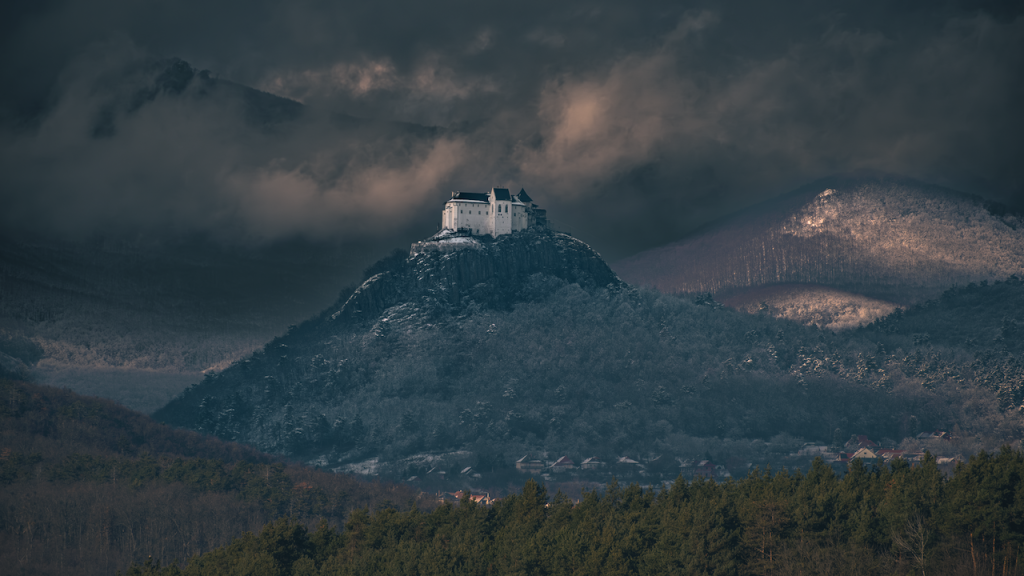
(499,194)
(471,196)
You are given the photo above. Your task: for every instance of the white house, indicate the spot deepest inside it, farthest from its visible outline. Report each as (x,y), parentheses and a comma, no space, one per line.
(495,213)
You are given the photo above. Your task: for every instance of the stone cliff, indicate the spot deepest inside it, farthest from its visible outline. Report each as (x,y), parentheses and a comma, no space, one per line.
(447,269)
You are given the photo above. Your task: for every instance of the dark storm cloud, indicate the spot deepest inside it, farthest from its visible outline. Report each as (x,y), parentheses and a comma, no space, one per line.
(127,149)
(634,125)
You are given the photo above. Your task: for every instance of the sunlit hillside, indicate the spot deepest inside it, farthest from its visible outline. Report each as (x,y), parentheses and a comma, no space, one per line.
(885,237)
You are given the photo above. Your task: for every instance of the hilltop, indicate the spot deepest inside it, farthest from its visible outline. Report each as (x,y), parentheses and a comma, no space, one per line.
(391,347)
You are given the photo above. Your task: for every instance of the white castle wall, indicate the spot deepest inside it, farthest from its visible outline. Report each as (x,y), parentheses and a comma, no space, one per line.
(494,217)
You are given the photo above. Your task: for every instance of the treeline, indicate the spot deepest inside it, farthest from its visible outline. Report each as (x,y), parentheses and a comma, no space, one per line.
(897,520)
(87,487)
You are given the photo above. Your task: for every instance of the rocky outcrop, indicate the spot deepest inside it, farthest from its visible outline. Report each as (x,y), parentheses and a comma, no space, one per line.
(497,271)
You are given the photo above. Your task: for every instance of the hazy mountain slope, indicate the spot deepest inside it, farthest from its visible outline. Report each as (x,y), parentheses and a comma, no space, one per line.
(140,83)
(530,344)
(138,322)
(884,237)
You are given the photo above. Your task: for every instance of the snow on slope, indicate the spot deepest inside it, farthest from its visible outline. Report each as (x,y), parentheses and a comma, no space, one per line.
(808,304)
(885,237)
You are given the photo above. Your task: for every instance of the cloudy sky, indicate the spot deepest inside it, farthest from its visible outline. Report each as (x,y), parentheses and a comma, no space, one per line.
(634,125)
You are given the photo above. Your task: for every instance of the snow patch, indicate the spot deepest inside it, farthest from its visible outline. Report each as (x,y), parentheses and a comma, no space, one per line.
(444,241)
(366,467)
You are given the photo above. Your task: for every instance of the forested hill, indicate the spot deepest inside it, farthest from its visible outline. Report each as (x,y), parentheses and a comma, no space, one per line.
(883,236)
(437,353)
(87,487)
(313,380)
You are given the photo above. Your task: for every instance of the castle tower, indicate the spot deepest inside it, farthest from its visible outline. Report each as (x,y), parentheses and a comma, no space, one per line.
(501,216)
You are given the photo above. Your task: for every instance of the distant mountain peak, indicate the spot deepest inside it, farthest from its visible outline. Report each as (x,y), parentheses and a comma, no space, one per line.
(142,83)
(881,235)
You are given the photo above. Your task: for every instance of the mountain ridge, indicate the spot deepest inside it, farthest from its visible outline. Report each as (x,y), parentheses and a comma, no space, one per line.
(880,235)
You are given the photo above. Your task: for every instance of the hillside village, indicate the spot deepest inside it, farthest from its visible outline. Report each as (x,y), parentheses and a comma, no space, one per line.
(657,469)
(859,447)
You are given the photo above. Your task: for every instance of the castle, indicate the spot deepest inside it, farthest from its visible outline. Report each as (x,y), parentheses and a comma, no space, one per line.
(495,213)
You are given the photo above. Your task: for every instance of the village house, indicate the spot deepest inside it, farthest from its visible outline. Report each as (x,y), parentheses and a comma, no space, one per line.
(860,441)
(867,456)
(811,450)
(526,465)
(871,459)
(591,464)
(563,464)
(705,468)
(947,465)
(492,213)
(934,435)
(456,497)
(888,456)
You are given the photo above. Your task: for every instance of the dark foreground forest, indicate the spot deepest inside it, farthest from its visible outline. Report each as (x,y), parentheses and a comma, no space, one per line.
(88,487)
(900,520)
